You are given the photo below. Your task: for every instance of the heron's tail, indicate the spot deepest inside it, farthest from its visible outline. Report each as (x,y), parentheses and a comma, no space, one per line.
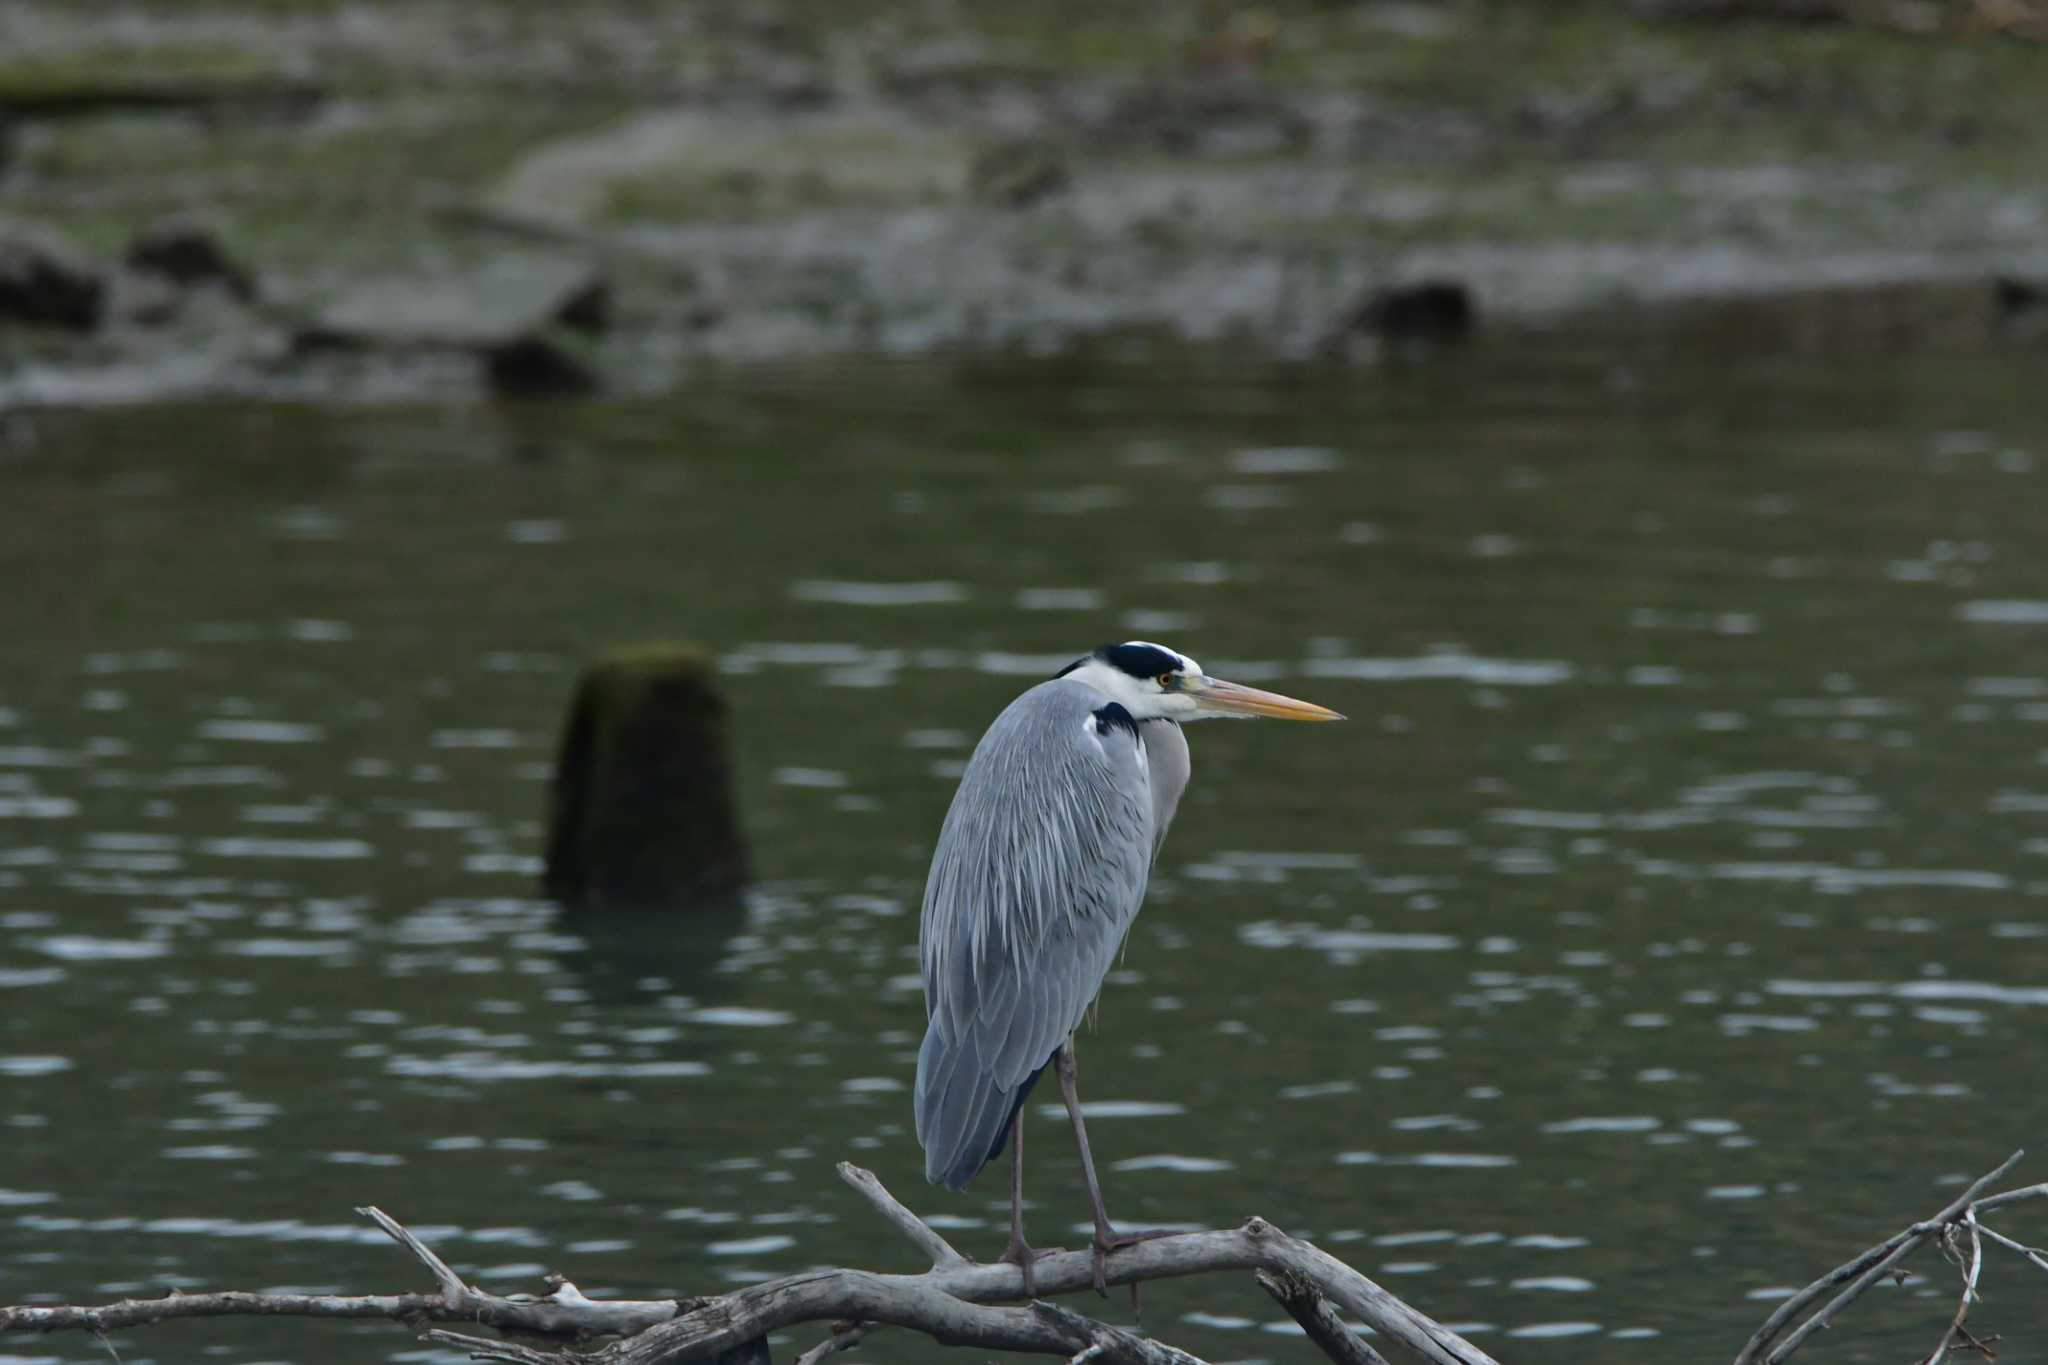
(963,1116)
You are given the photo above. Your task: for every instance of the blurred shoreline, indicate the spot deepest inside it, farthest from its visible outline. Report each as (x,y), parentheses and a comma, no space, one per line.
(382,202)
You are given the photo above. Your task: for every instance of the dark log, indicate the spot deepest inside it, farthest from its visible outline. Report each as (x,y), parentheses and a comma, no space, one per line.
(643,808)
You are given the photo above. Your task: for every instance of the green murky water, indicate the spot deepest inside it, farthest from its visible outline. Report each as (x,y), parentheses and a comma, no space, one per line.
(1667,924)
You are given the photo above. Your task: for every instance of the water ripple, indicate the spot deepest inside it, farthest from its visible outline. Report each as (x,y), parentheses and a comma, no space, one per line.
(1273,934)
(1438,1160)
(1459,667)
(255,847)
(1626,1124)
(2004,613)
(1189,1165)
(86,948)
(877,594)
(485,1066)
(37,808)
(1118,1109)
(751,1246)
(1932,989)
(1542,1331)
(33,1066)
(1286,460)
(262,731)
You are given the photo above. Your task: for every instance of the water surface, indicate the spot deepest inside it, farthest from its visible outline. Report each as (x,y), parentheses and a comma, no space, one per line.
(1666,925)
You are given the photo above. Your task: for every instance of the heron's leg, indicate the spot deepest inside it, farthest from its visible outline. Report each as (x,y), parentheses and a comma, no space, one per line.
(1020,1253)
(1070,1073)
(1107,1238)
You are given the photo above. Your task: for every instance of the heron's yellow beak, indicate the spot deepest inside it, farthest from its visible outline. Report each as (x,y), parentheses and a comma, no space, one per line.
(1221,698)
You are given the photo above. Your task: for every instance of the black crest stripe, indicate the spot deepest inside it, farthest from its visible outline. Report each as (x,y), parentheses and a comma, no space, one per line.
(1114,717)
(1140,661)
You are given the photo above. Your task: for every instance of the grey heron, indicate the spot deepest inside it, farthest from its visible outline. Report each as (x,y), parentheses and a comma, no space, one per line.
(1038,874)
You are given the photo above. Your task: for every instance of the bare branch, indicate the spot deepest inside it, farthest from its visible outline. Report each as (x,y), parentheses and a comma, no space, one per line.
(483,1348)
(901,1218)
(945,1302)
(1970,1271)
(452,1287)
(1991,1203)
(114,1317)
(1862,1272)
(839,1341)
(1781,1317)
(942,1302)
(564,1312)
(1043,1328)
(1366,1301)
(1324,1327)
(2031,1253)
(954,1301)
(1100,1341)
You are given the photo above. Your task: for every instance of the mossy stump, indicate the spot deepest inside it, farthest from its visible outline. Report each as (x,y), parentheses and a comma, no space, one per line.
(643,810)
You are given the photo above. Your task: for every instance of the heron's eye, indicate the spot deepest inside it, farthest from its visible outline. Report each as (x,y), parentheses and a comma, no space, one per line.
(1165,681)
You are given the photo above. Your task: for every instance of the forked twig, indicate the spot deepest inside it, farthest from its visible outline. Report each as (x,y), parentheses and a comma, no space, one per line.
(1865,1270)
(1971,1269)
(2033,1254)
(902,1219)
(840,1340)
(1318,1319)
(563,1312)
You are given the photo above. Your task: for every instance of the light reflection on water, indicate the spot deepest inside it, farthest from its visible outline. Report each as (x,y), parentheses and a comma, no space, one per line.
(1682,845)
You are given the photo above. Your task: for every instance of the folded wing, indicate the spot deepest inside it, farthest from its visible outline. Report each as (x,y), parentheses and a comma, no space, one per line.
(1039,871)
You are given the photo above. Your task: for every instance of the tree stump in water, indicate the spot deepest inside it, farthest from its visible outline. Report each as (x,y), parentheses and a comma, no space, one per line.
(643,811)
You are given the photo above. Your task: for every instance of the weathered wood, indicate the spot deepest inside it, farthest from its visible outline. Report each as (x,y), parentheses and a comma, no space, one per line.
(564,1312)
(1861,1273)
(1041,1329)
(1320,1321)
(948,1302)
(1972,1268)
(902,1219)
(1092,1340)
(945,1302)
(126,1313)
(954,1301)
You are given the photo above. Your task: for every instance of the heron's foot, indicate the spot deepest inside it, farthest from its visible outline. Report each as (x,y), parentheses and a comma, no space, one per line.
(1025,1256)
(1108,1239)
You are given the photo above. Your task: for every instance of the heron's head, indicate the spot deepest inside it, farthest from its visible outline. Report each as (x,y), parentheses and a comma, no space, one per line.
(1153,682)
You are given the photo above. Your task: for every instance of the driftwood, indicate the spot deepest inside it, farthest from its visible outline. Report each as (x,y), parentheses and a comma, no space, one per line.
(1306,1304)
(563,1312)
(953,1301)
(949,1302)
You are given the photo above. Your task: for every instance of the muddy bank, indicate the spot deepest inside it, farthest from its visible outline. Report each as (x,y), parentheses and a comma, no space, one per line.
(395,201)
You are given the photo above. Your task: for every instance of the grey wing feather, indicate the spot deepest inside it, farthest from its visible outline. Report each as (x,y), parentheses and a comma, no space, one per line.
(1039,870)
